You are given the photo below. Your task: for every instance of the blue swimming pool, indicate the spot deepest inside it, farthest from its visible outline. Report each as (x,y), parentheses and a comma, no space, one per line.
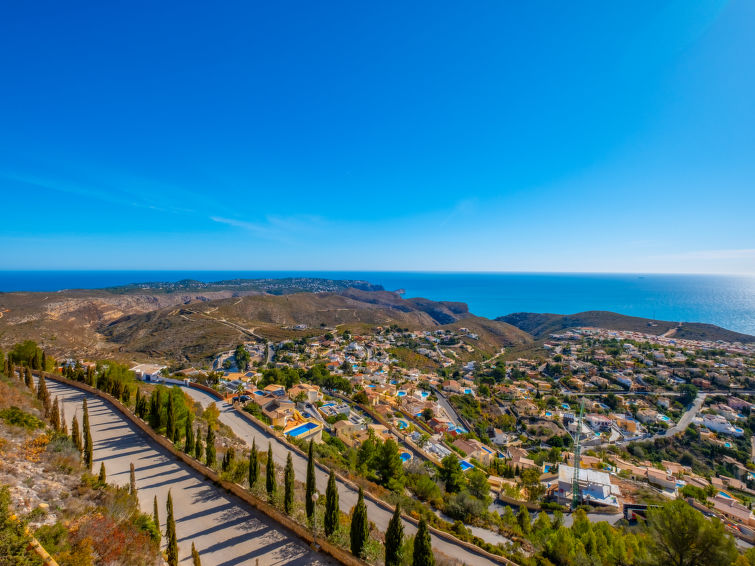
(401,394)
(301,429)
(405,457)
(401,424)
(467,391)
(724,494)
(465,465)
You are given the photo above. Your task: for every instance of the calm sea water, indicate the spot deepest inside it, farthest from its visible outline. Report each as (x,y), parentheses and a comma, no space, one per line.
(723,300)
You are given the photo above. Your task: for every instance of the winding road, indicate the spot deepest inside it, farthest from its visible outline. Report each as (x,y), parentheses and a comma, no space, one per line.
(247,432)
(225,530)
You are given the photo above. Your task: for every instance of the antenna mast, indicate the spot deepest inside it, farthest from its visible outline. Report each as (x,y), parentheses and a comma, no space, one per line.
(577,455)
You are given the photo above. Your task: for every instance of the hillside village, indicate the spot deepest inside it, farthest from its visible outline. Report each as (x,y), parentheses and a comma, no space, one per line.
(625,394)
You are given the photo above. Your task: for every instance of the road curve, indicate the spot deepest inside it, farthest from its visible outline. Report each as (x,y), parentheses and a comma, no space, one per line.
(247,431)
(225,530)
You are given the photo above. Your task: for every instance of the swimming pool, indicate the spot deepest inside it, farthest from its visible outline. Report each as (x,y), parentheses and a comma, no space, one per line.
(564,406)
(301,429)
(664,418)
(401,394)
(548,414)
(467,391)
(424,393)
(401,424)
(547,469)
(465,465)
(458,429)
(727,444)
(328,404)
(738,430)
(724,494)
(260,393)
(405,457)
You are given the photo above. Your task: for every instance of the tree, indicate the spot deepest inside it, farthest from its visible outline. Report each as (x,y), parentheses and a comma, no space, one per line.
(254,465)
(390,467)
(423,550)
(360,528)
(132,480)
(55,415)
(394,538)
(198,447)
(451,474)
(170,533)
(331,506)
(88,444)
(688,393)
(228,459)
(530,480)
(210,448)
(523,519)
(42,393)
(189,434)
(478,484)
(76,435)
(195,556)
(170,423)
(679,535)
(309,500)
(154,410)
(288,498)
(427,413)
(156,519)
(270,474)
(102,478)
(13,539)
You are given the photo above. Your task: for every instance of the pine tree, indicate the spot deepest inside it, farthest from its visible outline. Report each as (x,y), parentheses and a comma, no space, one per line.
(331,506)
(102,478)
(288,496)
(360,528)
(189,434)
(394,538)
(76,435)
(156,519)
(170,533)
(210,448)
(423,551)
(195,556)
(55,416)
(270,474)
(254,465)
(170,425)
(309,500)
(132,480)
(88,445)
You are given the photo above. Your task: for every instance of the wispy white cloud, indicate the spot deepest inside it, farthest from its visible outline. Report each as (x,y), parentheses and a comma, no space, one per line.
(279,228)
(712,255)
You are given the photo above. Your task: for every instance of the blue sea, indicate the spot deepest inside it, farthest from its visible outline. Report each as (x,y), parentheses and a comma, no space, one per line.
(727,301)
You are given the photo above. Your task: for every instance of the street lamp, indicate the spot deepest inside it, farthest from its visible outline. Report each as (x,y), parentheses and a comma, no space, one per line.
(315,497)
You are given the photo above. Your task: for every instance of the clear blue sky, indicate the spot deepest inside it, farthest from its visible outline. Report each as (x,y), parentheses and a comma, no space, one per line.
(443,135)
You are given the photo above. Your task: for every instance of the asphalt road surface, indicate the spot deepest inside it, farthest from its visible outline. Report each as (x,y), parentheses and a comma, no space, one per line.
(347,496)
(225,530)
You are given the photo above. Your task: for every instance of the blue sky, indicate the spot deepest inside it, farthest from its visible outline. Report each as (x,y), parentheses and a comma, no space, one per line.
(523,136)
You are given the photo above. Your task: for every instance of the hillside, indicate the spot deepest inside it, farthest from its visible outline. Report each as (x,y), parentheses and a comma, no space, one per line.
(541,324)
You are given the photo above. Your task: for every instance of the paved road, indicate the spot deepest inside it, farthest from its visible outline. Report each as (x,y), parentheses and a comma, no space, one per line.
(246,431)
(687,417)
(225,530)
(450,411)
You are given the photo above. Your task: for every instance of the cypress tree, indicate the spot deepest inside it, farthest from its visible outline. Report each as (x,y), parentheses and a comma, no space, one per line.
(170,533)
(177,435)
(156,519)
(210,448)
(132,480)
(170,425)
(360,528)
(63,422)
(228,458)
(154,410)
(198,447)
(288,496)
(270,474)
(125,394)
(189,434)
(75,434)
(55,416)
(138,404)
(44,361)
(423,551)
(88,445)
(309,500)
(394,537)
(42,388)
(331,505)
(101,477)
(28,379)
(195,556)
(254,465)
